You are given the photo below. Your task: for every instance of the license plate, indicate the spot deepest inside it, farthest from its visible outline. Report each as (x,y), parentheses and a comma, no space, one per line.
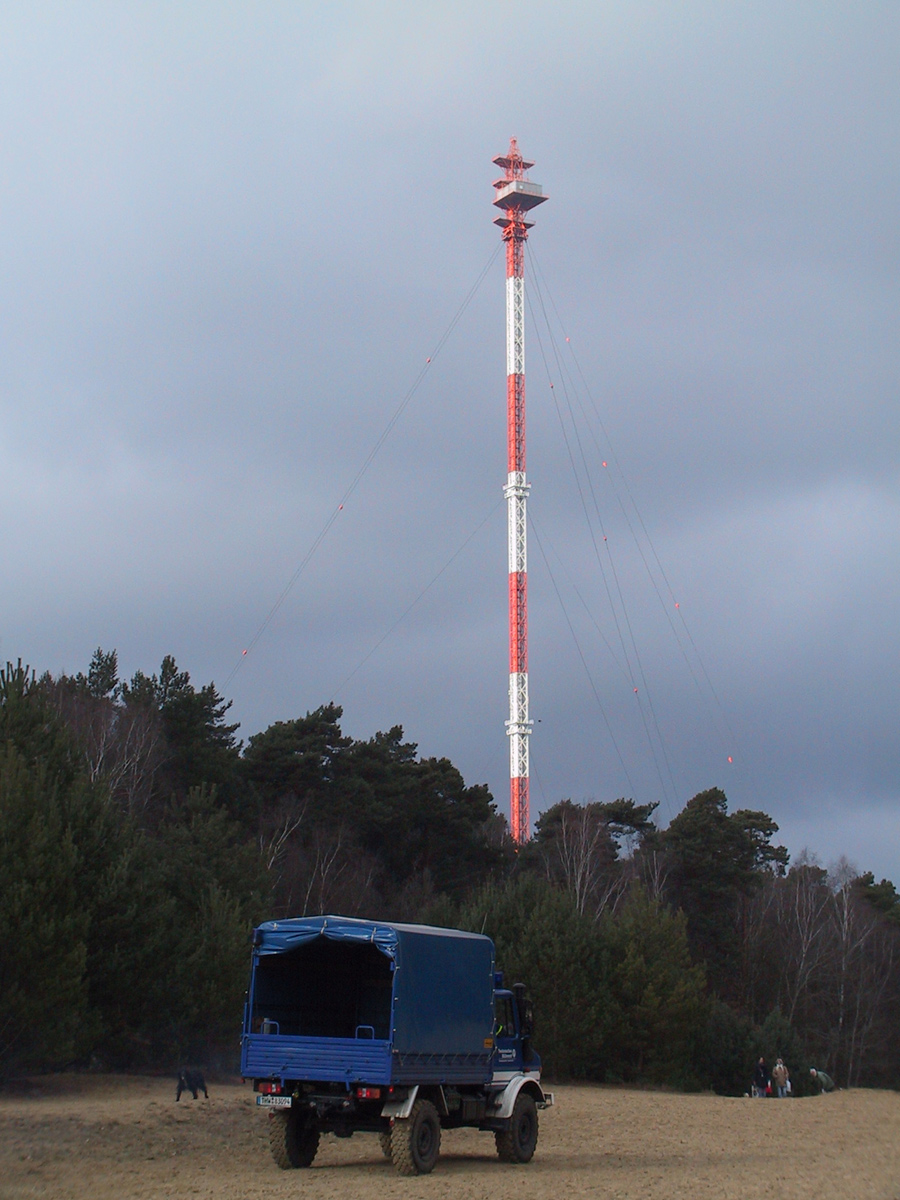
(274,1101)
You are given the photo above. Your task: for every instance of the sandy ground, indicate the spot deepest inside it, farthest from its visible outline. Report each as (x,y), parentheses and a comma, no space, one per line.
(74,1137)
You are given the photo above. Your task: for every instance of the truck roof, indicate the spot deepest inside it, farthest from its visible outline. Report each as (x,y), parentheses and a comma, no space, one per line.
(275,937)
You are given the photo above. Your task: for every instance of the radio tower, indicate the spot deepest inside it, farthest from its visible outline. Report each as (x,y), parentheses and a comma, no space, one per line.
(516,196)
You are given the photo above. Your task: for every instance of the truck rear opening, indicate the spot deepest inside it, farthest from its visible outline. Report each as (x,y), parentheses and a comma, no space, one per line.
(324,989)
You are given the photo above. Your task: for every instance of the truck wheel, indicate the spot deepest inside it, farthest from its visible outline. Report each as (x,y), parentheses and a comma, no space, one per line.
(518,1142)
(384,1141)
(416,1140)
(293,1139)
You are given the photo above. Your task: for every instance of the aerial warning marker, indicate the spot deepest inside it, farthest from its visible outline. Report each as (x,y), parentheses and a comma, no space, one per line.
(515,196)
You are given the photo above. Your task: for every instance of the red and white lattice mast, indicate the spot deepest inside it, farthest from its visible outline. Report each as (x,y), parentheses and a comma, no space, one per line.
(516,195)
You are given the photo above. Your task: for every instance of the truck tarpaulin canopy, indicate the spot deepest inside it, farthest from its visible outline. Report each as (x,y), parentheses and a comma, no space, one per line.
(442,993)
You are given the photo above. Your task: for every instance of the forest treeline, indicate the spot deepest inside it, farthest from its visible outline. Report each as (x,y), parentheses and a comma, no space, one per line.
(140,841)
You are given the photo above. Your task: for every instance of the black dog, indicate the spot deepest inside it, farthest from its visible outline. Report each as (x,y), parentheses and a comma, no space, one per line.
(191,1080)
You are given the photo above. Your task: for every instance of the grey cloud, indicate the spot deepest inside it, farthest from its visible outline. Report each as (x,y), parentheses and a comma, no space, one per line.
(232,235)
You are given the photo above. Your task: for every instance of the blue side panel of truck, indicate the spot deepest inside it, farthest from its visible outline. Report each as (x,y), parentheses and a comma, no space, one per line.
(342,1000)
(443,993)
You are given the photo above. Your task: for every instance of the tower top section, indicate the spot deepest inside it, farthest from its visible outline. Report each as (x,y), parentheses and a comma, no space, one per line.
(516,194)
(513,164)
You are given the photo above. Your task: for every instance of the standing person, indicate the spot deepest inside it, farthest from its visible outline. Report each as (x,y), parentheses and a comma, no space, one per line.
(780,1077)
(760,1078)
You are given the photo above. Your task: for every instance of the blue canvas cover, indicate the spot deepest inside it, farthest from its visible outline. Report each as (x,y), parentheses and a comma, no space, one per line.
(441,1021)
(275,937)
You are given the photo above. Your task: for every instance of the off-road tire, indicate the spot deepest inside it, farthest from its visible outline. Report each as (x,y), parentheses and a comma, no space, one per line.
(518,1143)
(416,1140)
(384,1141)
(293,1139)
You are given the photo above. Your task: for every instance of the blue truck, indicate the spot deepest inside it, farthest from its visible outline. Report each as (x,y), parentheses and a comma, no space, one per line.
(354,1026)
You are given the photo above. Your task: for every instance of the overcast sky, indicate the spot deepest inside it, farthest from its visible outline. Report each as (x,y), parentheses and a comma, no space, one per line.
(231,235)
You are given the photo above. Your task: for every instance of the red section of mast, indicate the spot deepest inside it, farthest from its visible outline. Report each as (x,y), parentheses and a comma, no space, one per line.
(516,196)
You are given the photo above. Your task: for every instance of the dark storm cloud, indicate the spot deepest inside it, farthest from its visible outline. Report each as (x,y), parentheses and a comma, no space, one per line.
(230,237)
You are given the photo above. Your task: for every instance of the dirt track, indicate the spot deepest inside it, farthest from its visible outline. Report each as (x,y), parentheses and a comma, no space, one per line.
(74,1138)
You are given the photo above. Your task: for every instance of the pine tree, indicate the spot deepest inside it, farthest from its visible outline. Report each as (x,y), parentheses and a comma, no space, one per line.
(43,928)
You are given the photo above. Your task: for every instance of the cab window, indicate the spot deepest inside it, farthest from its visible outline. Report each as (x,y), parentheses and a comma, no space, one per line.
(504,1017)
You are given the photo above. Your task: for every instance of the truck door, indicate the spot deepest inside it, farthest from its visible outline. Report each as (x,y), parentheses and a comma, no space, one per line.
(507,1042)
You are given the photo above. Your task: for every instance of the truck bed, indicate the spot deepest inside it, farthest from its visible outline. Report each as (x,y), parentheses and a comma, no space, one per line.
(329,1060)
(354,1060)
